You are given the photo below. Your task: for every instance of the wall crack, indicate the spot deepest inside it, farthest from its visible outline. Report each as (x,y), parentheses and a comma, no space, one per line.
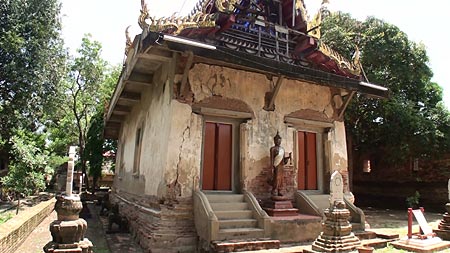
(176,185)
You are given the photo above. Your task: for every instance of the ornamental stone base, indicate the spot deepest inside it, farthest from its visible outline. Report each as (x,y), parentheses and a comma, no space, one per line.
(69,230)
(443,230)
(84,246)
(337,233)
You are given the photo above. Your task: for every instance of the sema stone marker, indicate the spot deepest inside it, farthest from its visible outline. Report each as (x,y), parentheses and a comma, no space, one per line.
(69,229)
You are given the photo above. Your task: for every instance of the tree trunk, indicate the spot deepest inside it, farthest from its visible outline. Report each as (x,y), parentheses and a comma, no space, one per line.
(83,163)
(18,202)
(94,184)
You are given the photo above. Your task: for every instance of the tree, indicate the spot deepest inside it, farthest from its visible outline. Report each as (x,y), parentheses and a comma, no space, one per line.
(96,145)
(33,164)
(32,61)
(413,122)
(83,89)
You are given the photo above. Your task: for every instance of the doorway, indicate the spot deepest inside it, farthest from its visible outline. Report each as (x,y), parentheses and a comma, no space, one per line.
(217,172)
(307,161)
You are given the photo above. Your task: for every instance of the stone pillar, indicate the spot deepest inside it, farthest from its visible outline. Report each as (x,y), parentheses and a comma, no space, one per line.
(70,167)
(69,229)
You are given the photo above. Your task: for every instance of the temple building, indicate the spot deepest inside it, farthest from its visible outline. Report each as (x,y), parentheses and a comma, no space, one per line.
(199,101)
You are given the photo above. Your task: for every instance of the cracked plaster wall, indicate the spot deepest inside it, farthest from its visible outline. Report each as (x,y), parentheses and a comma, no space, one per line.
(257,134)
(184,145)
(339,152)
(170,164)
(153,115)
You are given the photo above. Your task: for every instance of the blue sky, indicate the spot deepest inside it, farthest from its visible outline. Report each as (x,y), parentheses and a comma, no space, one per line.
(423,21)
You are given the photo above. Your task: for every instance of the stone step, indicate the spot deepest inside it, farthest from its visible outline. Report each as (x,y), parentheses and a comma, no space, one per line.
(376,242)
(364,235)
(245,245)
(225,198)
(238,223)
(281,212)
(229,206)
(387,235)
(240,233)
(233,215)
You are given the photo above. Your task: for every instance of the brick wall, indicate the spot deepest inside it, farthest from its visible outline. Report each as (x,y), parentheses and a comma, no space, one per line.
(260,186)
(159,225)
(393,184)
(14,231)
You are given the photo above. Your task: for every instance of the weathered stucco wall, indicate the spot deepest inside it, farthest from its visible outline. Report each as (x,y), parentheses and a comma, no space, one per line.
(171,144)
(157,199)
(184,152)
(153,115)
(172,137)
(294,98)
(171,154)
(338,156)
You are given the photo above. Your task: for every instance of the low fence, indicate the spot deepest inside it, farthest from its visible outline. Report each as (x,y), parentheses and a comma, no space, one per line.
(14,231)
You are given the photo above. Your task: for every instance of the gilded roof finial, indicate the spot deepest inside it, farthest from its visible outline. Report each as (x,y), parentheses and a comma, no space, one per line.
(316,22)
(357,58)
(128,42)
(144,16)
(300,5)
(226,5)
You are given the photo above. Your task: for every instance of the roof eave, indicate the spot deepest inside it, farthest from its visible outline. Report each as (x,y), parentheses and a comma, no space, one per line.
(156,48)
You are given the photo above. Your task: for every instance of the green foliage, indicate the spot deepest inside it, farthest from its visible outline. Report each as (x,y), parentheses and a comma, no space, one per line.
(83,93)
(32,61)
(413,122)
(96,145)
(28,171)
(413,200)
(43,92)
(5,217)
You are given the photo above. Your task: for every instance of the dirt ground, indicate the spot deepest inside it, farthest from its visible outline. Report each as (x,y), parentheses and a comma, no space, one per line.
(396,221)
(8,208)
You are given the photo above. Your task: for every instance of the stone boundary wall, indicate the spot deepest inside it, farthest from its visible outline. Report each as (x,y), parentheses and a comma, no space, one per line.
(393,195)
(14,231)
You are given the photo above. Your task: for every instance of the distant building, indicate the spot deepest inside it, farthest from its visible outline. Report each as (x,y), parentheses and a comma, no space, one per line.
(198,103)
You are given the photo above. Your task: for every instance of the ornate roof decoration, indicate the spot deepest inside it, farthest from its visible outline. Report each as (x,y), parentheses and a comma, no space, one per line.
(316,22)
(343,64)
(208,6)
(128,42)
(227,6)
(143,16)
(278,30)
(173,24)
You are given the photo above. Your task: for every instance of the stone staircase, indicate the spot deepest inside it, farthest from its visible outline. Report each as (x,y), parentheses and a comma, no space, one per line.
(236,219)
